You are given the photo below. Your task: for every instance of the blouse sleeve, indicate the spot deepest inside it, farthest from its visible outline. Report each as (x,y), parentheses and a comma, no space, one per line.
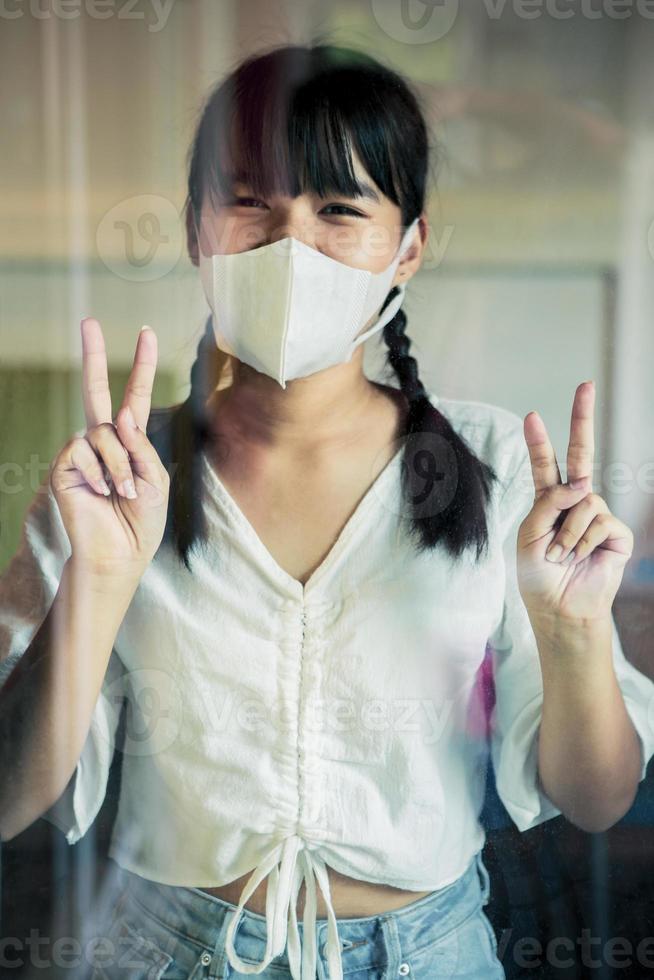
(518,681)
(28,586)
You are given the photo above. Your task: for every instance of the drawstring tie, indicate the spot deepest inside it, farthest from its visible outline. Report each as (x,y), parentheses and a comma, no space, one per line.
(287,864)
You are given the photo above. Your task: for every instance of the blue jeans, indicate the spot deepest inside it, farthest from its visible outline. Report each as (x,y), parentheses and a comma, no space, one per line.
(165,932)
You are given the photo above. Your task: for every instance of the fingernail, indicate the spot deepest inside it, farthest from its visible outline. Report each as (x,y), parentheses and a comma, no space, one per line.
(570,558)
(145,327)
(103,487)
(554,553)
(130,418)
(128,489)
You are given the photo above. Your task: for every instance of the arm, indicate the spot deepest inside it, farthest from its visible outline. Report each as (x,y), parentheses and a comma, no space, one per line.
(47,701)
(589,754)
(63,598)
(571,554)
(568,703)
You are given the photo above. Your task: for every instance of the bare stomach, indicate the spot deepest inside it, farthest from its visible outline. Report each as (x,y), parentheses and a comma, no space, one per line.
(350,897)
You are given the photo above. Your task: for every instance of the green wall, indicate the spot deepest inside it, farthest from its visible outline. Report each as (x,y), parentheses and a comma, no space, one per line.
(40,408)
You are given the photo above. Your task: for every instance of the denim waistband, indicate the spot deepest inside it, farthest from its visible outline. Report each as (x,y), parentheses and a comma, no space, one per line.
(369,940)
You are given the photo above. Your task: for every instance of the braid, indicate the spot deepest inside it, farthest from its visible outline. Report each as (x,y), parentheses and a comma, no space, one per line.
(446,485)
(190,433)
(403,363)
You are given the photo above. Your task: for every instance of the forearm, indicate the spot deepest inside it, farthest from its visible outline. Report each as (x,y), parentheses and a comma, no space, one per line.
(589,755)
(47,702)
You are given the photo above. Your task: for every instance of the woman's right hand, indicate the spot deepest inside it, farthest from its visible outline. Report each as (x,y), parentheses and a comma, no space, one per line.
(113,534)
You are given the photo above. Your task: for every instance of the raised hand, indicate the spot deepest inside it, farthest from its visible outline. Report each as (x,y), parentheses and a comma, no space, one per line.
(113,530)
(571,549)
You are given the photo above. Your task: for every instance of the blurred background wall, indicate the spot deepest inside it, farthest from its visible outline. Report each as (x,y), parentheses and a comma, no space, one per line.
(539,270)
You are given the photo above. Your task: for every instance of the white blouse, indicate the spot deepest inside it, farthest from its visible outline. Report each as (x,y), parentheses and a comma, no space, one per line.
(277,728)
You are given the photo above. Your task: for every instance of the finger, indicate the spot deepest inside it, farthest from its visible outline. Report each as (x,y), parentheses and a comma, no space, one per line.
(605,533)
(95,380)
(79,466)
(105,442)
(547,509)
(574,526)
(581,447)
(138,391)
(144,458)
(544,467)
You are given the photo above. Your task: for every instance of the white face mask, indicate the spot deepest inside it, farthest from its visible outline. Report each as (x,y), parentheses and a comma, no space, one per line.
(288,310)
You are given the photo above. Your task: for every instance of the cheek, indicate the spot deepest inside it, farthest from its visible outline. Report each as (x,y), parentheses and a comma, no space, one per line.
(376,249)
(228,232)
(358,242)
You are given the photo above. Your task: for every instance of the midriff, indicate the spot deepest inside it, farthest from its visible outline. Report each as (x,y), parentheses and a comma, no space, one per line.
(350,896)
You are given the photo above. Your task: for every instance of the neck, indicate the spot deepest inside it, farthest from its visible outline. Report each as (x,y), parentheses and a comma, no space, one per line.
(326,410)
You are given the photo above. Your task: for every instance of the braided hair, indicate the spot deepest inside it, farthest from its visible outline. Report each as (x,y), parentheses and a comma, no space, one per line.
(289,118)
(189,437)
(445,486)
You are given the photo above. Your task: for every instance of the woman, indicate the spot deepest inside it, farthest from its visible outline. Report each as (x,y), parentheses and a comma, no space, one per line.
(306,538)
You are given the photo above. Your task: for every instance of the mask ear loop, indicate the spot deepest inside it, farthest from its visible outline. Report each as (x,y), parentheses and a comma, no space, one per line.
(397,301)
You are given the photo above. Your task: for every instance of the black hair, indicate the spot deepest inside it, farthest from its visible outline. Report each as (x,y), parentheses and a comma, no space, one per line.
(288,118)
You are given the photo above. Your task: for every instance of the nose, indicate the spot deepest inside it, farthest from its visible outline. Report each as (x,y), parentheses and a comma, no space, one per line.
(291,221)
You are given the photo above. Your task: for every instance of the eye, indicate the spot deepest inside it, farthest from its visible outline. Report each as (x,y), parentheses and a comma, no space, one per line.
(244,201)
(343,207)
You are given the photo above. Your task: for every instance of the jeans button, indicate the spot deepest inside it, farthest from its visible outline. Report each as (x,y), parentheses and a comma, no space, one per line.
(205,959)
(404,969)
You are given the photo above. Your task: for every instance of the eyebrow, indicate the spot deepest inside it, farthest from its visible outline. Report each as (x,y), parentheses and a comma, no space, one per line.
(365,190)
(368,191)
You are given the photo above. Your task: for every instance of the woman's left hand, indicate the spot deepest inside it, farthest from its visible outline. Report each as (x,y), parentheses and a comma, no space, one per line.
(580,582)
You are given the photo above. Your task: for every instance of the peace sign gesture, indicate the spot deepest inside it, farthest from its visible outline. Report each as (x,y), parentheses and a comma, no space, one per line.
(571,549)
(113,531)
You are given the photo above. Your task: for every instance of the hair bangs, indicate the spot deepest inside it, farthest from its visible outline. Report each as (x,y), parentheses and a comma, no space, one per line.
(286,133)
